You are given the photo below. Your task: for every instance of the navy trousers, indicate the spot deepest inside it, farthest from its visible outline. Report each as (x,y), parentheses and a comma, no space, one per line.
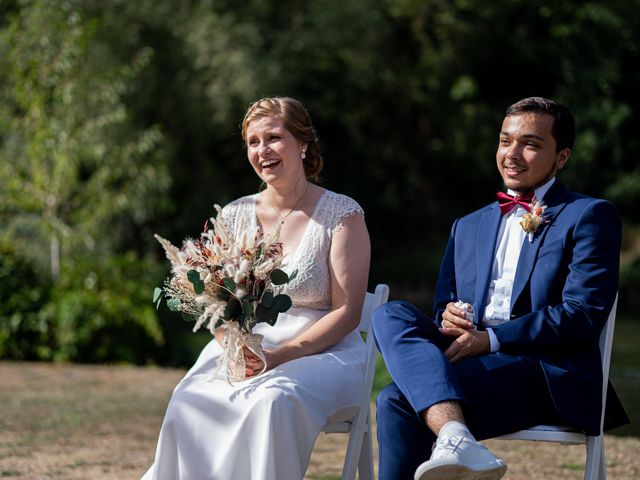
(498,393)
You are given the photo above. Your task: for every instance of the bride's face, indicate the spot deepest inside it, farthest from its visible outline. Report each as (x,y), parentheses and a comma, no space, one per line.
(273,151)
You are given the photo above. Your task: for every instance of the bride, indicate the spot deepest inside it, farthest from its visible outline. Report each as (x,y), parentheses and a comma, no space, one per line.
(264,427)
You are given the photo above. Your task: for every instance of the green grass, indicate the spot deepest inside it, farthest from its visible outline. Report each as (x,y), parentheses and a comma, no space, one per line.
(381,379)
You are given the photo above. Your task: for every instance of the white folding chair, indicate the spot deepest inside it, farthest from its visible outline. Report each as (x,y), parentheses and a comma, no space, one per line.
(595,467)
(359,454)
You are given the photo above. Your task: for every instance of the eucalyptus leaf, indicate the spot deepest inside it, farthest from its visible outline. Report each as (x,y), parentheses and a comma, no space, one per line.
(247,308)
(282,303)
(230,284)
(223,294)
(293,275)
(232,310)
(157,297)
(188,317)
(272,319)
(157,294)
(262,314)
(193,276)
(267,298)
(174,304)
(279,277)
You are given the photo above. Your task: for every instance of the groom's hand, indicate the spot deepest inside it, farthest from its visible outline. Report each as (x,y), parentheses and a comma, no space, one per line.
(455,317)
(469,342)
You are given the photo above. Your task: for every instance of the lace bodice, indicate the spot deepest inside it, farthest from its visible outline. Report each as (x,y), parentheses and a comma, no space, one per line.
(312,286)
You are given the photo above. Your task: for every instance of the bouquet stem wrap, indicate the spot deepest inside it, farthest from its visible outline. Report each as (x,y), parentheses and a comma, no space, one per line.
(232,359)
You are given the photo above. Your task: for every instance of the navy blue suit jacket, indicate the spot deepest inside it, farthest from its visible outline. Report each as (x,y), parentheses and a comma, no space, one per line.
(565,285)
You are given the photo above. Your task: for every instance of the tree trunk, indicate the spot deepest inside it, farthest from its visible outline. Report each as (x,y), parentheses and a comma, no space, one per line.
(55,258)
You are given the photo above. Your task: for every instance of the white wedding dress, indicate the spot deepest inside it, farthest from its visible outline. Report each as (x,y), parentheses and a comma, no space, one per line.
(264,428)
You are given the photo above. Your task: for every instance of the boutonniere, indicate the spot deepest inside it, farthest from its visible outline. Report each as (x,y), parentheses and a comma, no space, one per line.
(532,220)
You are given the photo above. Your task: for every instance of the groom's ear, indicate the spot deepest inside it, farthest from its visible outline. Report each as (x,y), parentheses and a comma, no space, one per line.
(562,157)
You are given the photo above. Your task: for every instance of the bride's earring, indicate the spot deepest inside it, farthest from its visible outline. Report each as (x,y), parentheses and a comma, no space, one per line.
(303,155)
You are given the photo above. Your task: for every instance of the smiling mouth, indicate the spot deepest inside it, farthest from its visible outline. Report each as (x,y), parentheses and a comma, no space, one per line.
(269,164)
(513,170)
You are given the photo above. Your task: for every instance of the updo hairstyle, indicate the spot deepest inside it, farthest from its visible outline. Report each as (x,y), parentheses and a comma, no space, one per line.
(296,120)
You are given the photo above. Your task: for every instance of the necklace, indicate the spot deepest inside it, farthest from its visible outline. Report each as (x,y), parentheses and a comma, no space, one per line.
(282,219)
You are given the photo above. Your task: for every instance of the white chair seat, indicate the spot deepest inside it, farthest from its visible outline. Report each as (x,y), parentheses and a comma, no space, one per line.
(549,433)
(595,468)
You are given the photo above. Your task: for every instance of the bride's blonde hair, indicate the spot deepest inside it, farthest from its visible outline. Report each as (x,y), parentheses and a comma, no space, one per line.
(296,120)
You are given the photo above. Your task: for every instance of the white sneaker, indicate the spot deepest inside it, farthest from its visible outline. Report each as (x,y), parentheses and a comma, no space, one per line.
(459,458)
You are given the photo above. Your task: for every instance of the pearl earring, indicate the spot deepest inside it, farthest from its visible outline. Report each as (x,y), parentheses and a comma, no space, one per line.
(303,155)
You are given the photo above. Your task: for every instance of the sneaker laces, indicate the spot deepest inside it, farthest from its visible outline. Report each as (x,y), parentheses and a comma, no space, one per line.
(446,446)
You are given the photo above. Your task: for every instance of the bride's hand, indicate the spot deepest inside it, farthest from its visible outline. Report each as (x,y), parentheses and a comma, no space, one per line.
(253,364)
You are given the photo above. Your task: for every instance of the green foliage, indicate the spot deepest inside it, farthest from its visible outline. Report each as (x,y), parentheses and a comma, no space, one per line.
(269,307)
(629,286)
(381,379)
(72,164)
(25,333)
(229,283)
(198,285)
(100,311)
(77,178)
(157,297)
(120,119)
(97,311)
(279,277)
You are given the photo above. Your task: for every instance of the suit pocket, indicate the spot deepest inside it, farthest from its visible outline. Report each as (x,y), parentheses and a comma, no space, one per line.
(556,246)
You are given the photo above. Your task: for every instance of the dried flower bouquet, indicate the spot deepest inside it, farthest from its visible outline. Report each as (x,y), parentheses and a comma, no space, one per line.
(223,282)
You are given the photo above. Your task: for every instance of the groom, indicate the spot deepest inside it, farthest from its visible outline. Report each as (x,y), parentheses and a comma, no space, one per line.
(525,287)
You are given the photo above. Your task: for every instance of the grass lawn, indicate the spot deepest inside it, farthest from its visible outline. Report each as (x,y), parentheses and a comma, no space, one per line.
(82,422)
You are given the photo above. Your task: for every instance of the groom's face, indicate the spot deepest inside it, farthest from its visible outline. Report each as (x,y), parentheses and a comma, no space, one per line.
(526,155)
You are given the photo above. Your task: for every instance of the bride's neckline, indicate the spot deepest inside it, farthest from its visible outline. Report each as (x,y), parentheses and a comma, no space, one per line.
(291,256)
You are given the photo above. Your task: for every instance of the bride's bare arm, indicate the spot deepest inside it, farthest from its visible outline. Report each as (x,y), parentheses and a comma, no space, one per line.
(349,258)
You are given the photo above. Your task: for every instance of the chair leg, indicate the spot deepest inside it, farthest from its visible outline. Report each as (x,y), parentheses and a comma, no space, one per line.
(603,467)
(594,467)
(365,464)
(350,466)
(354,449)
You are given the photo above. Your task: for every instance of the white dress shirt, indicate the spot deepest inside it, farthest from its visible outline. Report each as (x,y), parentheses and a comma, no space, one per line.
(508,246)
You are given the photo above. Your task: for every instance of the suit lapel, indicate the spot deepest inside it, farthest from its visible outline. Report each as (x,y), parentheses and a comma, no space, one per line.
(485,253)
(555,199)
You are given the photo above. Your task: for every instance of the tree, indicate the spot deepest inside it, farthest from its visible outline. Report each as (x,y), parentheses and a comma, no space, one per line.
(79,178)
(76,174)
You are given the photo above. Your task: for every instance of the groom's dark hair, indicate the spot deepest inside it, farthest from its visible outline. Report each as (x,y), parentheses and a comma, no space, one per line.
(564,125)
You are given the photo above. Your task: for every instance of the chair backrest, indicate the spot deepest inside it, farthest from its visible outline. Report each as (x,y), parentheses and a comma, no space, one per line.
(606,345)
(371,302)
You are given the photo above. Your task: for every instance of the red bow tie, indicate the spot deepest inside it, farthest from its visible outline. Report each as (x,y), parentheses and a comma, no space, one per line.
(508,203)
